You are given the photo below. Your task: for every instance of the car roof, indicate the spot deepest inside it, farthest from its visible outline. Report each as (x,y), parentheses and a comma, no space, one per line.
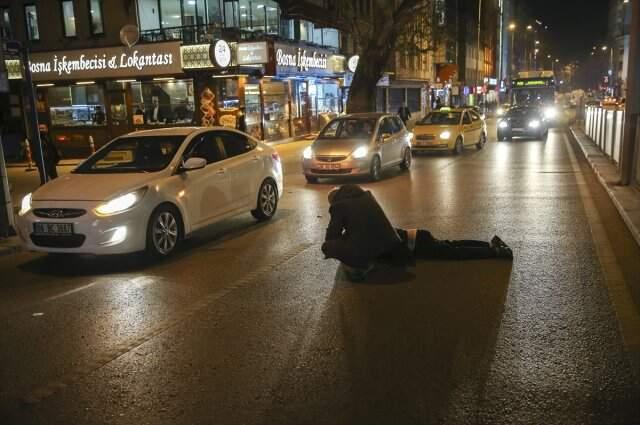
(446,109)
(367,115)
(173,131)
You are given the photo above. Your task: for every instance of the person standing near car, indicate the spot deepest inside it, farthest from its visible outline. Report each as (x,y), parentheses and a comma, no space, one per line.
(50,153)
(241,121)
(405,113)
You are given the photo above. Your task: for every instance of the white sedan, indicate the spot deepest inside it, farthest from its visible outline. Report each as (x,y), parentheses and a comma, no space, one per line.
(149,190)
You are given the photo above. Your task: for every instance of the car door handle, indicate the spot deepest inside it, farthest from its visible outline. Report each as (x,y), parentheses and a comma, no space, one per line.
(221,171)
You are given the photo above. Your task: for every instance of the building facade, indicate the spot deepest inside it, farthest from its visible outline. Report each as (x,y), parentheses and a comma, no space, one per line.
(619,38)
(104,71)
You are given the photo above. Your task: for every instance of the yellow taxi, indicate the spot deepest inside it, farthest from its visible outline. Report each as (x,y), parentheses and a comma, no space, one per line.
(448,129)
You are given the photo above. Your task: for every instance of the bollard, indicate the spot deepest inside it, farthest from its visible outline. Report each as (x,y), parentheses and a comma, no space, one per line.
(92,145)
(29,158)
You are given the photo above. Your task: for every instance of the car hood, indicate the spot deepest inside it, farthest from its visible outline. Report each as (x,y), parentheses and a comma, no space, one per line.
(431,129)
(91,187)
(337,147)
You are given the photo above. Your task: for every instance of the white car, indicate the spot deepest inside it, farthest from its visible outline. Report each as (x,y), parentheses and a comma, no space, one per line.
(148,190)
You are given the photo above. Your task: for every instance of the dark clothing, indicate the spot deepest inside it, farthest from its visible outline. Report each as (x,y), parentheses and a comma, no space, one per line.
(427,247)
(51,156)
(359,231)
(404,113)
(99,117)
(241,122)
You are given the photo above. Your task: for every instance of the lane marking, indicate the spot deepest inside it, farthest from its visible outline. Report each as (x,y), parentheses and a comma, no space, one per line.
(41,392)
(619,295)
(71,291)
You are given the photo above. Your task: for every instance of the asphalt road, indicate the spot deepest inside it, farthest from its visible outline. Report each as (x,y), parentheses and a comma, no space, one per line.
(249,325)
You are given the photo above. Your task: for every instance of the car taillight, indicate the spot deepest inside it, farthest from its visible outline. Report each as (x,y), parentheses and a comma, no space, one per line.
(275,156)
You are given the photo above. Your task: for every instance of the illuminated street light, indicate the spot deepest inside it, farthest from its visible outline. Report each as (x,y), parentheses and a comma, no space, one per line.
(548,56)
(529,27)
(604,48)
(537,41)
(512,26)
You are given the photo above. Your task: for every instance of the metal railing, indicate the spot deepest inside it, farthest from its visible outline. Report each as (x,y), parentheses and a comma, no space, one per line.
(605,126)
(196,34)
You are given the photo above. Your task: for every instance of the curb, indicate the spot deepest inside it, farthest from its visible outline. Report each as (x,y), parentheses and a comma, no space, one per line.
(634,227)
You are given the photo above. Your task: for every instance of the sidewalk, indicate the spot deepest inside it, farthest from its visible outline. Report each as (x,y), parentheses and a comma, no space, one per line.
(625,198)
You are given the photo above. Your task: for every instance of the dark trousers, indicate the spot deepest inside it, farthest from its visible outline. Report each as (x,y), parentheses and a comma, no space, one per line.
(428,247)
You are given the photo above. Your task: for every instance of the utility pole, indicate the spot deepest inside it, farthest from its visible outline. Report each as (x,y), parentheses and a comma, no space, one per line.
(7,225)
(632,107)
(478,73)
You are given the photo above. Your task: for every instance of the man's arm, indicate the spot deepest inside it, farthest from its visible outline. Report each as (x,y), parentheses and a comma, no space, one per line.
(336,225)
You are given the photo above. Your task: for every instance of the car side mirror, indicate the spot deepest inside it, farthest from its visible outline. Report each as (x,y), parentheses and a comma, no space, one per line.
(194,163)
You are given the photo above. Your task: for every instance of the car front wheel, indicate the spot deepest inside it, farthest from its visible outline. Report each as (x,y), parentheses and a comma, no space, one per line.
(267,201)
(164,231)
(482,141)
(375,168)
(458,147)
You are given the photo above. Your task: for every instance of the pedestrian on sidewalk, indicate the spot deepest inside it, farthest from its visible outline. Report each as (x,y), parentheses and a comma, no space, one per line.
(241,121)
(359,234)
(404,112)
(51,156)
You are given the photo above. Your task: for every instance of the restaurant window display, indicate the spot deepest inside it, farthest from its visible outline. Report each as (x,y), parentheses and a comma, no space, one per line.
(276,110)
(327,102)
(163,102)
(252,110)
(77,105)
(299,105)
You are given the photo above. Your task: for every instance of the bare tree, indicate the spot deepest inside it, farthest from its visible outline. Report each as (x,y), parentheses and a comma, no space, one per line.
(379,29)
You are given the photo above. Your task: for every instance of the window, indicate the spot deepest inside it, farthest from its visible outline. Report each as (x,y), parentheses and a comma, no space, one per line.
(95,17)
(166,102)
(148,15)
(474,116)
(234,143)
(386,127)
(6,22)
(170,12)
(399,124)
(466,120)
(68,18)
(206,147)
(77,105)
(31,19)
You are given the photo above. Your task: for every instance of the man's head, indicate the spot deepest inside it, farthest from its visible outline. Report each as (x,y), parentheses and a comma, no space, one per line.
(346,191)
(332,195)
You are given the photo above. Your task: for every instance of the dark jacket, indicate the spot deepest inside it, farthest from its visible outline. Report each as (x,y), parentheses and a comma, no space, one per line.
(404,113)
(359,231)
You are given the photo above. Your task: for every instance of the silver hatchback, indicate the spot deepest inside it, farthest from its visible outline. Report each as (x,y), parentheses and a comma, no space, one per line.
(358,144)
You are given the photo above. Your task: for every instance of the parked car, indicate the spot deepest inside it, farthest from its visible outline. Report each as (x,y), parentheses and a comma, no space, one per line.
(523,121)
(358,144)
(149,190)
(450,130)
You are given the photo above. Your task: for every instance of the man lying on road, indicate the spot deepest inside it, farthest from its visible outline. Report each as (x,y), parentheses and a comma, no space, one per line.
(360,233)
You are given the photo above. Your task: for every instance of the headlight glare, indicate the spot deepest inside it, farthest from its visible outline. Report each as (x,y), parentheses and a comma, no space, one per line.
(534,124)
(503,124)
(445,135)
(500,111)
(121,203)
(25,205)
(550,112)
(360,152)
(307,153)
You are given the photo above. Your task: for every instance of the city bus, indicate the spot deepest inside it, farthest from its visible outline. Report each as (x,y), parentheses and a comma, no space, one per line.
(535,88)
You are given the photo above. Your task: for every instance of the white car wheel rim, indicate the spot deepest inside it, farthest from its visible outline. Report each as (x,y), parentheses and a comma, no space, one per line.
(165,233)
(268,199)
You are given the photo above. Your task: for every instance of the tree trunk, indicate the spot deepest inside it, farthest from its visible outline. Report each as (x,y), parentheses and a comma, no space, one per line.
(362,94)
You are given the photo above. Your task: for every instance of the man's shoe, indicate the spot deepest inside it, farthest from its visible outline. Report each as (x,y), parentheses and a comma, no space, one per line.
(496,242)
(503,252)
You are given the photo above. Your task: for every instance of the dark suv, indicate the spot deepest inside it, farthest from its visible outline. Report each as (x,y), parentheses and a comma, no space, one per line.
(523,121)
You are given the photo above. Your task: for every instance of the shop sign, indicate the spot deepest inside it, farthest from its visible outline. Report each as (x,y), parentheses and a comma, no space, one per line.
(220,53)
(493,81)
(143,60)
(252,53)
(292,59)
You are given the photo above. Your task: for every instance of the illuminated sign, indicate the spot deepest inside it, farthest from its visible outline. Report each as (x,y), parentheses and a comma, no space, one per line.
(220,53)
(146,59)
(531,83)
(252,53)
(300,59)
(352,64)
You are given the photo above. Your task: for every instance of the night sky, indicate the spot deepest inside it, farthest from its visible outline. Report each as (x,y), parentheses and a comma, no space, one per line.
(574,25)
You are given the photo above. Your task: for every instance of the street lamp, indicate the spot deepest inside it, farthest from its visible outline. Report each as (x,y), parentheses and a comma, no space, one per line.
(512,28)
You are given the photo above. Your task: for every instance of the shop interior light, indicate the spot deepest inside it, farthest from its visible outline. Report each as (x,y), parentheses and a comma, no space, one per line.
(164,79)
(228,76)
(82,83)
(45,85)
(126,81)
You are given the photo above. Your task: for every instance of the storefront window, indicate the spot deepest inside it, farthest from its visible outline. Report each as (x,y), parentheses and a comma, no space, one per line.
(327,102)
(170,12)
(163,102)
(95,12)
(31,18)
(276,110)
(68,18)
(252,109)
(148,15)
(77,105)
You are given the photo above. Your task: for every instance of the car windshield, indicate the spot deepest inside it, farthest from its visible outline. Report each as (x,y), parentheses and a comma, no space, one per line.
(441,118)
(349,128)
(522,112)
(133,155)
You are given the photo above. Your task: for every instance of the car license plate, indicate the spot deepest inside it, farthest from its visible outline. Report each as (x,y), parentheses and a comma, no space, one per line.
(53,228)
(329,166)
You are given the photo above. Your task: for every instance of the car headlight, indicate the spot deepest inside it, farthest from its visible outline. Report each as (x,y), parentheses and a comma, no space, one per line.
(360,152)
(307,153)
(550,112)
(534,124)
(25,205)
(500,111)
(503,124)
(445,135)
(121,203)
